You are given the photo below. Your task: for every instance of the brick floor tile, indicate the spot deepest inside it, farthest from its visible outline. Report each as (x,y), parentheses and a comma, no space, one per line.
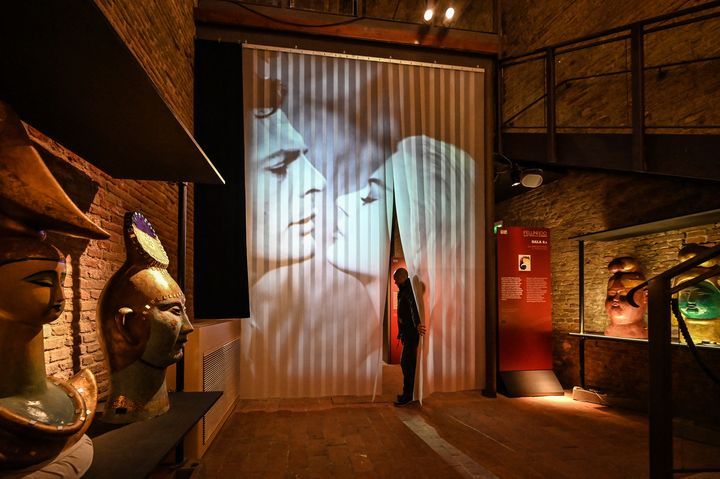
(297,459)
(339,455)
(524,438)
(361,463)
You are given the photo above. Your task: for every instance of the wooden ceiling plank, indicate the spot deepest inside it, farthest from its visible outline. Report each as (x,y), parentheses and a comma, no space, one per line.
(313,23)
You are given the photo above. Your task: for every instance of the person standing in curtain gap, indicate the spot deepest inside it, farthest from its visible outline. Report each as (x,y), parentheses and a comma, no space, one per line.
(409,331)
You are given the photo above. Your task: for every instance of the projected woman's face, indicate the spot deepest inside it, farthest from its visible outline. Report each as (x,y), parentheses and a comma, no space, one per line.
(284,187)
(361,232)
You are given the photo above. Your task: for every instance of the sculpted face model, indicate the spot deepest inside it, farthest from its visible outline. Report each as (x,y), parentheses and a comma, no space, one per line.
(40,417)
(31,290)
(625,320)
(143,324)
(700,303)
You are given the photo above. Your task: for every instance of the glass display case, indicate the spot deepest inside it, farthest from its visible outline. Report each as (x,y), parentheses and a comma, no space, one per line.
(612,262)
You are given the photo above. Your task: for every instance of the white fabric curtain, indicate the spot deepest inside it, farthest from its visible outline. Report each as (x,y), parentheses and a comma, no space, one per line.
(438,178)
(318,206)
(324,138)
(434,184)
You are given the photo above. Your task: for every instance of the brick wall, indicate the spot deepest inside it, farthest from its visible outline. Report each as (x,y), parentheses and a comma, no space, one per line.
(586,202)
(530,24)
(161,35)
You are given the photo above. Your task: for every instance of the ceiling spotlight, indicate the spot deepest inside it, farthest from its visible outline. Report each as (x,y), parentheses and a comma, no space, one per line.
(428,15)
(449,13)
(527,177)
(531,178)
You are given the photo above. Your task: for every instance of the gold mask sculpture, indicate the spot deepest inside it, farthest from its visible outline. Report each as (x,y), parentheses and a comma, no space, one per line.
(700,303)
(143,325)
(625,320)
(40,416)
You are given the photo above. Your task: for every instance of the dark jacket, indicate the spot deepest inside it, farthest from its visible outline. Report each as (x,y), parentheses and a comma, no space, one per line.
(407,313)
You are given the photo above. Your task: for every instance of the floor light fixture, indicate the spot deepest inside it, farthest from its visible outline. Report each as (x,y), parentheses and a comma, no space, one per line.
(531,177)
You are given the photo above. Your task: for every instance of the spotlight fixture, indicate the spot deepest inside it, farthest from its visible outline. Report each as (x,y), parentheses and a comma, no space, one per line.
(449,14)
(527,177)
(428,15)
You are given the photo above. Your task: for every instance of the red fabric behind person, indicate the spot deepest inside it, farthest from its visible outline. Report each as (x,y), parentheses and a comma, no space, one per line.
(395,346)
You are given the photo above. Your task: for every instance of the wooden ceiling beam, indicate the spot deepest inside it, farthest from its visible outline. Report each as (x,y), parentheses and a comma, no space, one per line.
(219,13)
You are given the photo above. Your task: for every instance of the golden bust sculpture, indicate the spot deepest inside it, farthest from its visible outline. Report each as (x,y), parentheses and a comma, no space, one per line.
(143,325)
(700,303)
(625,320)
(40,416)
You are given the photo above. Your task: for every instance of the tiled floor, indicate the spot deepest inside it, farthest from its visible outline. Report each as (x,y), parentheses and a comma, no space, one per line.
(450,435)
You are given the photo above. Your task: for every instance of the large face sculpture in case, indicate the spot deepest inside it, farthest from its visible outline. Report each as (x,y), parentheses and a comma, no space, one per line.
(700,303)
(626,320)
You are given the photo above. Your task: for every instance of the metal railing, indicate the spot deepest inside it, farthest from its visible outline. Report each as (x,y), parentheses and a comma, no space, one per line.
(634,32)
(660,414)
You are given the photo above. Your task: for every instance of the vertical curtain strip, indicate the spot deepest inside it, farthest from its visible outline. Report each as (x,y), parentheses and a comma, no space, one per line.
(329,141)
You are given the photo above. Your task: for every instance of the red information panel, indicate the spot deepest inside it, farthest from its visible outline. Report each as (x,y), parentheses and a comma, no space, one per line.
(525,299)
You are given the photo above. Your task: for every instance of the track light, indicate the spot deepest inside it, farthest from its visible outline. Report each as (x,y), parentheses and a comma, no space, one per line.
(527,177)
(449,14)
(428,15)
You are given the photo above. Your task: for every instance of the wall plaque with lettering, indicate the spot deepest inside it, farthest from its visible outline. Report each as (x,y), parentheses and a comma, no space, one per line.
(525,299)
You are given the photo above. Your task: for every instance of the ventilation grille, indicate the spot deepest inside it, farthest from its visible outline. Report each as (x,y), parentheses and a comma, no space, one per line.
(221,372)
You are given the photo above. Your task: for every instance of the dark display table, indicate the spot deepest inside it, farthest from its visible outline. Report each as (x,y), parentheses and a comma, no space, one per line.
(134,450)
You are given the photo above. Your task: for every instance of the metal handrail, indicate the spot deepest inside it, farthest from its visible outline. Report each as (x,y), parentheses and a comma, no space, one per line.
(660,411)
(635,32)
(679,269)
(623,28)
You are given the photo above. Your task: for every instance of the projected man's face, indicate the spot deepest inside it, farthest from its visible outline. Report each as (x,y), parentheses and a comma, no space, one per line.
(361,231)
(284,187)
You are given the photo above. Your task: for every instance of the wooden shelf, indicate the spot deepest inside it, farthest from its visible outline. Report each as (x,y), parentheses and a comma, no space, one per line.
(66,72)
(602,337)
(696,219)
